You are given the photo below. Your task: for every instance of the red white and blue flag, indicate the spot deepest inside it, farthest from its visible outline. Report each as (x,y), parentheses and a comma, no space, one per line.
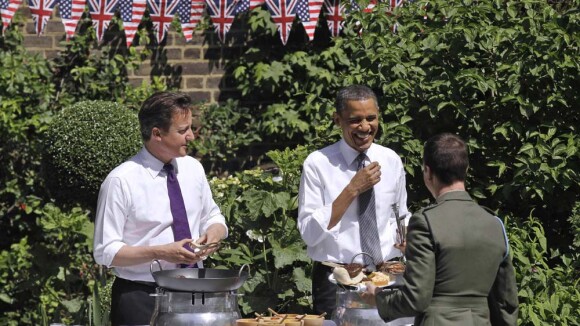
(222,13)
(71,12)
(334,11)
(161,13)
(314,9)
(131,13)
(41,10)
(283,13)
(190,13)
(246,5)
(102,11)
(7,10)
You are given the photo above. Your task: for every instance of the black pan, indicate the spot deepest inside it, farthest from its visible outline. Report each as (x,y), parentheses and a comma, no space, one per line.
(199,279)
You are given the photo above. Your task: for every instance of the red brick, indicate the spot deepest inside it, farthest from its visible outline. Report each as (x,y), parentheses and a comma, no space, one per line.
(214,82)
(198,96)
(194,82)
(191,53)
(174,53)
(35,42)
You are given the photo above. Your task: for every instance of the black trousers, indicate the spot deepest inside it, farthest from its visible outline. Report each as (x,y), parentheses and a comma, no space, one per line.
(131,303)
(323,291)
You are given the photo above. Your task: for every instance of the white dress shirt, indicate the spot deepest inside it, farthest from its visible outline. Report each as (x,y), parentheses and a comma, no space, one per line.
(133,209)
(325,174)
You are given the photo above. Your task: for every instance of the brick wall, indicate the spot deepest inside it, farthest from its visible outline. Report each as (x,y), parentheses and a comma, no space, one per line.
(196,67)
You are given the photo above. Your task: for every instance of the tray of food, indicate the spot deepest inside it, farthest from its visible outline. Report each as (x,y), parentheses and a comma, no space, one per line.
(355,277)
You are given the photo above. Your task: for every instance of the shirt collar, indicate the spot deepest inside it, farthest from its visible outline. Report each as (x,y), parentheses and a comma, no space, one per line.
(152,164)
(350,154)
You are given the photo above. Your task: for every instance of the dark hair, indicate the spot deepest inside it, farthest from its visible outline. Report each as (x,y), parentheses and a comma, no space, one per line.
(446,155)
(158,109)
(353,93)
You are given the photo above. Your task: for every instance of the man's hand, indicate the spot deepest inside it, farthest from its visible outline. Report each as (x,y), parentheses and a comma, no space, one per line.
(369,296)
(215,233)
(177,253)
(366,178)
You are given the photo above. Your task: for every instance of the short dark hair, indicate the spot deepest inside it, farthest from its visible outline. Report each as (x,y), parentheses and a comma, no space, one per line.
(353,93)
(158,109)
(446,155)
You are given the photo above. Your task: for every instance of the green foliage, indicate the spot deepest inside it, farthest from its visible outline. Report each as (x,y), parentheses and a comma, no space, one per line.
(548,295)
(50,269)
(226,134)
(260,209)
(84,142)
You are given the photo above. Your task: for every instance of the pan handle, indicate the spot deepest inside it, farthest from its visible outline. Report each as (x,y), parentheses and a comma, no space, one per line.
(242,269)
(158,264)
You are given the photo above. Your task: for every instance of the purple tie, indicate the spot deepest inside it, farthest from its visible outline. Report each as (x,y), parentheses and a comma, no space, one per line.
(180,225)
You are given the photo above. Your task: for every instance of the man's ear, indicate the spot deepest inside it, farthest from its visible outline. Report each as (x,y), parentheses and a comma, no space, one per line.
(336,118)
(156,132)
(427,171)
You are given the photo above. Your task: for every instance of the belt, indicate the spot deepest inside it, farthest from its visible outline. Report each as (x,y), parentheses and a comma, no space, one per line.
(459,301)
(151,284)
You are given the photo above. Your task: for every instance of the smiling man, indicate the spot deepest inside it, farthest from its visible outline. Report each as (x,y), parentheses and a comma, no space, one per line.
(346,195)
(152,207)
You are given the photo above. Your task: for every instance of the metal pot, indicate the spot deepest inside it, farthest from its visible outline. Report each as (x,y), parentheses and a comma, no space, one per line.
(199,279)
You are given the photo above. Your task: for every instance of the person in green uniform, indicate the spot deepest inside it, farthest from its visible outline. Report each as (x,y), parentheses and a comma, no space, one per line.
(459,271)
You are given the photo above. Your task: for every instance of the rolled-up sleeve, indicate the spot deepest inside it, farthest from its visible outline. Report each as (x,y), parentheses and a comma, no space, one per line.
(110,221)
(313,213)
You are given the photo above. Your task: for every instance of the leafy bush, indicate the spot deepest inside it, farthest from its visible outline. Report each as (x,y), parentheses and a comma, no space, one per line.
(227,132)
(260,209)
(47,275)
(83,144)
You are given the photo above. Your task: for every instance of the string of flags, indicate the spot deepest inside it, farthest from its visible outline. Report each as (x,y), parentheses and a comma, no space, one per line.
(189,13)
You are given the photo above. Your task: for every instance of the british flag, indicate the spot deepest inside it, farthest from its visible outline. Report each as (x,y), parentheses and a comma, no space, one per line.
(314,9)
(283,13)
(41,10)
(102,11)
(71,12)
(190,13)
(334,11)
(222,13)
(131,13)
(7,10)
(245,5)
(161,13)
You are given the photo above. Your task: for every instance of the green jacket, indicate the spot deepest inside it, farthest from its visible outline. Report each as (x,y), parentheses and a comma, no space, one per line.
(458,271)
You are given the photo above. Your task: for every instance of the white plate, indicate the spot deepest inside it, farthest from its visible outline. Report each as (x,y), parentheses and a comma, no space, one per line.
(359,287)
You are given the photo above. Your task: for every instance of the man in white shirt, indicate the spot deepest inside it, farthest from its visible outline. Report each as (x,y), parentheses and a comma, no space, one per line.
(328,217)
(134,220)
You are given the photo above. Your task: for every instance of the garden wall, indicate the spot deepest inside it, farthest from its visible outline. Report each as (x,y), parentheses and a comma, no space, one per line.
(196,67)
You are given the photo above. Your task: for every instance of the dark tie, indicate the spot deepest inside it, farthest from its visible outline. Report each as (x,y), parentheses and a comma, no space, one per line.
(180,225)
(369,233)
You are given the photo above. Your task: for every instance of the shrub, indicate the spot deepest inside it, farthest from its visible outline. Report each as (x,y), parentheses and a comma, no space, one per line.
(83,144)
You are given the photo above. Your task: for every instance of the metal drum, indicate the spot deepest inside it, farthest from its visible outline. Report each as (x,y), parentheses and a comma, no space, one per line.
(193,309)
(352,310)
(197,297)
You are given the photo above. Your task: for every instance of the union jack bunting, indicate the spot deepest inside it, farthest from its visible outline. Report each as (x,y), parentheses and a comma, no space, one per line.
(102,11)
(245,5)
(222,13)
(334,11)
(41,10)
(161,13)
(71,12)
(283,13)
(314,9)
(190,13)
(131,13)
(8,8)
